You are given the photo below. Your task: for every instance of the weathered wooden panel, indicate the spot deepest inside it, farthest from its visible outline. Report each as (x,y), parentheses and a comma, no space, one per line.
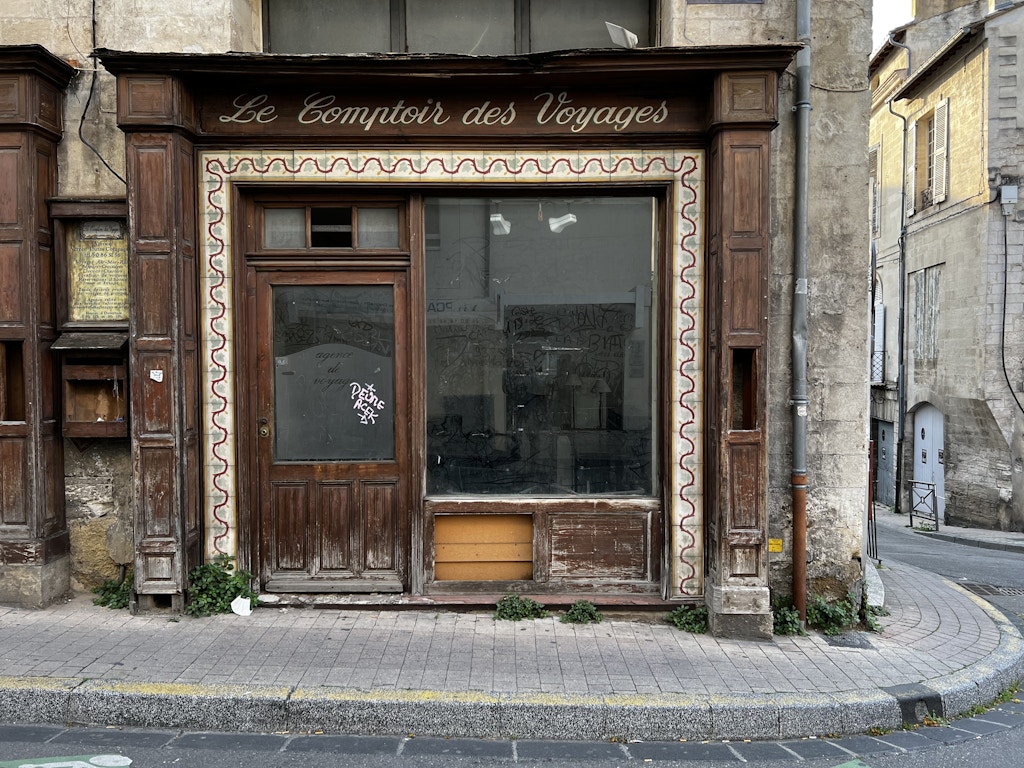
(13,482)
(46,179)
(153,221)
(11,272)
(52,501)
(153,308)
(745,492)
(483,547)
(11,185)
(154,408)
(746,97)
(380,525)
(12,98)
(47,303)
(145,97)
(290,509)
(748,200)
(746,294)
(589,546)
(335,510)
(156,478)
(743,561)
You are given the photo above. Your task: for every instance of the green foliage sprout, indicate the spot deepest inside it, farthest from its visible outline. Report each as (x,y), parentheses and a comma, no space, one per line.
(785,618)
(213,585)
(515,607)
(831,616)
(113,593)
(582,612)
(690,618)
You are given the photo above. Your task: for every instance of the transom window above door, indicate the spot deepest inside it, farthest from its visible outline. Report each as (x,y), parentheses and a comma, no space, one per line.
(331,226)
(479,27)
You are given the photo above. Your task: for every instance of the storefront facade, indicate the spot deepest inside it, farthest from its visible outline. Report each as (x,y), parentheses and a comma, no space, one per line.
(452,334)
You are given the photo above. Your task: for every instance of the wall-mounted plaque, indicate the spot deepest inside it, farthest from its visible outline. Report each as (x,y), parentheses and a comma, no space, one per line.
(97,271)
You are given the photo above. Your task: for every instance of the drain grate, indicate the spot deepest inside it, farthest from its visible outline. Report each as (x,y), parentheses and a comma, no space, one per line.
(988,590)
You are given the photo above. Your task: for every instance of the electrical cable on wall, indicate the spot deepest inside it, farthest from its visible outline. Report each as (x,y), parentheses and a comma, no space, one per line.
(1002,334)
(88,101)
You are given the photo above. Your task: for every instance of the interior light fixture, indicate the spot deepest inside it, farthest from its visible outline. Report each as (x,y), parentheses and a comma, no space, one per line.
(559,223)
(621,36)
(500,225)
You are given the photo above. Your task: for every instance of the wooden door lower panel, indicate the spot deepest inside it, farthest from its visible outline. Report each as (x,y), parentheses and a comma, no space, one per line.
(319,528)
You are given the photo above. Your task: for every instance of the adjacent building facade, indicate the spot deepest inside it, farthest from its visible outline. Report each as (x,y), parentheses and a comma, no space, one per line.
(399,309)
(945,162)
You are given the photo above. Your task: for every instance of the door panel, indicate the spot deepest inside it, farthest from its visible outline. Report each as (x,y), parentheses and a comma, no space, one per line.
(332,430)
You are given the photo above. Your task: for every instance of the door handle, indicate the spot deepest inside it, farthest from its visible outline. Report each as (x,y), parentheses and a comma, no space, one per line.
(264,431)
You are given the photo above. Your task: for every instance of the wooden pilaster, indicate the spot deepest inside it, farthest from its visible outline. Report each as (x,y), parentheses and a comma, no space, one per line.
(34,561)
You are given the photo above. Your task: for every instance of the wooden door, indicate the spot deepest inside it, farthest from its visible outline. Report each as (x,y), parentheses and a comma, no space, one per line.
(332,430)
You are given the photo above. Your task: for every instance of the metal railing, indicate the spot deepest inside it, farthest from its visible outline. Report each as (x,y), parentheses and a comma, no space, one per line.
(923,503)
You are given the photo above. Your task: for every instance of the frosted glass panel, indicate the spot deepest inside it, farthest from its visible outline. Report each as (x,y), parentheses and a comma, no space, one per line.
(480,27)
(284,227)
(334,373)
(580,23)
(329,26)
(378,227)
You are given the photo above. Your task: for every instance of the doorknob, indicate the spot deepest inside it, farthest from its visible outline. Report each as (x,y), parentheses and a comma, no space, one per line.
(264,431)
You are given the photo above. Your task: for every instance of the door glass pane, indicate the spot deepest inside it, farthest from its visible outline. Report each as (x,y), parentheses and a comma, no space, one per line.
(284,227)
(540,341)
(334,373)
(329,26)
(480,27)
(557,25)
(378,227)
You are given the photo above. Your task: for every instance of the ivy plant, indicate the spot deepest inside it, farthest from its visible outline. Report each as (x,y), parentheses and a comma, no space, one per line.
(582,612)
(113,593)
(516,607)
(213,585)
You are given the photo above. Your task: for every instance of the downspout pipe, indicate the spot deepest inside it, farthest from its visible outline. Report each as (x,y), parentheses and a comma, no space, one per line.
(798,400)
(901,320)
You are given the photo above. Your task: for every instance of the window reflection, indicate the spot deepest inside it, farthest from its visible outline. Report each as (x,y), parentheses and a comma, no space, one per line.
(539,346)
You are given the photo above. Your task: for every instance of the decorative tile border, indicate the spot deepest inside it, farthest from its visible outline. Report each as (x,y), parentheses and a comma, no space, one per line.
(684,170)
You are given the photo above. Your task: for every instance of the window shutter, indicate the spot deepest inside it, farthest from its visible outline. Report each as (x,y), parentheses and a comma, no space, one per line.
(874,190)
(940,151)
(878,345)
(910,172)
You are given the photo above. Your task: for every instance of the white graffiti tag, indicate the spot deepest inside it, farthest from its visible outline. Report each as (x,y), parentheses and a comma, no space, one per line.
(366,403)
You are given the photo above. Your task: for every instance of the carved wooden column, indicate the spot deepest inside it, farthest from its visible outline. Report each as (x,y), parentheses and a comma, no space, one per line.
(155,113)
(738,304)
(35,565)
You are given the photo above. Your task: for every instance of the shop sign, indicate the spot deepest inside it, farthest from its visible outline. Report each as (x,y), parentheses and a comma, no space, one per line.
(547,112)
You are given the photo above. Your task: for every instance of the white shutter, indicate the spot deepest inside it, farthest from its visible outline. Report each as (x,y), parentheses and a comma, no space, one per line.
(878,344)
(874,190)
(940,152)
(910,172)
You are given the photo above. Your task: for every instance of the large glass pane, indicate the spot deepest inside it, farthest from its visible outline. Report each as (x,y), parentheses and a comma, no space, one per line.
(480,27)
(540,336)
(329,26)
(565,24)
(334,377)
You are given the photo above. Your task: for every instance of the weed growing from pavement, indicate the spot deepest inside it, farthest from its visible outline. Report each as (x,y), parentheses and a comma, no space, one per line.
(690,618)
(786,618)
(831,616)
(213,585)
(515,607)
(870,616)
(582,612)
(113,593)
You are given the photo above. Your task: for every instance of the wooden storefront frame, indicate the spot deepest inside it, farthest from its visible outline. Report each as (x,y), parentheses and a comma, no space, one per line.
(728,109)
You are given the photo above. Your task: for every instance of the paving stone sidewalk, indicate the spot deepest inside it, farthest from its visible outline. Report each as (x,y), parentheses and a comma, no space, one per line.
(941,650)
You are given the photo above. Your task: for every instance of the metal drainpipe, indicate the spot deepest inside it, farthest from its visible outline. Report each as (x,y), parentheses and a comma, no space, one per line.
(798,402)
(901,379)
